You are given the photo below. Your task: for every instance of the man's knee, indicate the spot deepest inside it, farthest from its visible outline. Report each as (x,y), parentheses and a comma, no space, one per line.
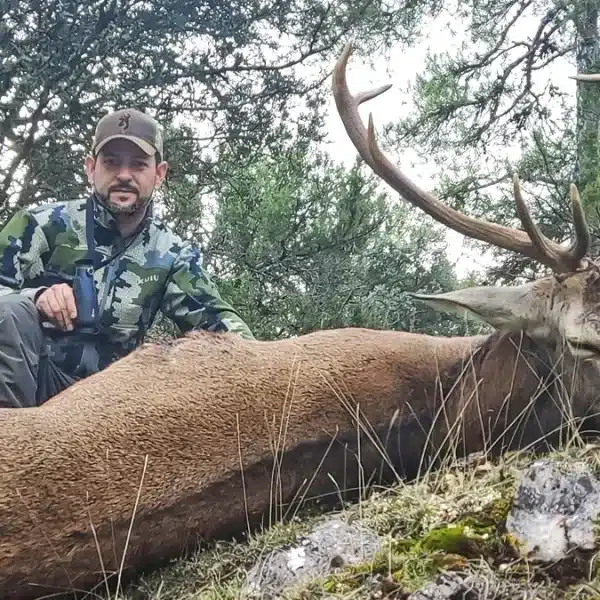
(20,346)
(18,307)
(20,322)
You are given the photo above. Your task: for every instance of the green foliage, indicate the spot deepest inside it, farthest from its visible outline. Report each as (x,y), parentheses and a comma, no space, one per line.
(295,242)
(298,243)
(232,71)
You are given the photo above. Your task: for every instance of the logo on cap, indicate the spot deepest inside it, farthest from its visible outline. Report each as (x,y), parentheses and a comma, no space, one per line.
(124,121)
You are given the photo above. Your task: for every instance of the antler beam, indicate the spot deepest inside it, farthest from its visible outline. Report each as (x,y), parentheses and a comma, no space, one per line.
(531,242)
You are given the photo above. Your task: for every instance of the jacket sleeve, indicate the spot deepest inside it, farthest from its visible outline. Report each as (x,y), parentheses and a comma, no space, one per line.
(22,245)
(192,301)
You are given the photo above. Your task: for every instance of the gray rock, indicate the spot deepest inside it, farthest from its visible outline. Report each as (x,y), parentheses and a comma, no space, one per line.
(331,545)
(554,509)
(451,586)
(459,586)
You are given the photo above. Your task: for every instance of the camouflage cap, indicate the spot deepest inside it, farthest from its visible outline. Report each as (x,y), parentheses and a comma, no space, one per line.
(130,124)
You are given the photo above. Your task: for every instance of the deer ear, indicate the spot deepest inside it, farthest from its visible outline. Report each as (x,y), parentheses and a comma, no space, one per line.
(501,307)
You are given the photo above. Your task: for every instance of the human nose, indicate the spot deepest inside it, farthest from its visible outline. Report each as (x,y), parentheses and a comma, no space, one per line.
(124,172)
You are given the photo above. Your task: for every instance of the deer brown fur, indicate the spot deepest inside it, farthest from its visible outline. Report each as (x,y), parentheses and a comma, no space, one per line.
(201,437)
(70,470)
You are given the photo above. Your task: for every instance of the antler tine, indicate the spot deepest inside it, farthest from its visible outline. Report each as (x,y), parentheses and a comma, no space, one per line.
(498,235)
(561,259)
(582,242)
(347,106)
(586,77)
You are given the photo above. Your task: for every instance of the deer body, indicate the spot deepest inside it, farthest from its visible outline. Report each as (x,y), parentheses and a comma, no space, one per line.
(199,437)
(197,409)
(292,413)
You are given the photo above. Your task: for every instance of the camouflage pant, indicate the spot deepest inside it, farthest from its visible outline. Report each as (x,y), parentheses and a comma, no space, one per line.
(28,377)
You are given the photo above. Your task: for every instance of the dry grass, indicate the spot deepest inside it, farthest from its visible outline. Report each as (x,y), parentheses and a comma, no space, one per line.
(450,520)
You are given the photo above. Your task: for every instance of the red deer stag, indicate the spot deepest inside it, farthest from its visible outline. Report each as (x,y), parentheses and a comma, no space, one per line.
(199,437)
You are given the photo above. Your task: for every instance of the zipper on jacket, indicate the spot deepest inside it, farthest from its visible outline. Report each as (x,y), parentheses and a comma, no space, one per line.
(107,276)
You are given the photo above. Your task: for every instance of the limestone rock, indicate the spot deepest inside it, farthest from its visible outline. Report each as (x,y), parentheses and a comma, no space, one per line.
(452,586)
(554,509)
(331,544)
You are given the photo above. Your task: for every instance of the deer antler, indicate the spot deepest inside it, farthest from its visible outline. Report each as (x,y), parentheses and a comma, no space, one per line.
(586,77)
(531,242)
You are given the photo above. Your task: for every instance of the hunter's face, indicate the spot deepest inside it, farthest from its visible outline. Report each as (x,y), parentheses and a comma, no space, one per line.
(124,176)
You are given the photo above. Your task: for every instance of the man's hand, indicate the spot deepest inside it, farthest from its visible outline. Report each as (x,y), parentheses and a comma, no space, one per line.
(57,304)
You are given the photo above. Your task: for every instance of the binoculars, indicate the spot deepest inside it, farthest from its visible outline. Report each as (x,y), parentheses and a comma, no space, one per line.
(86,298)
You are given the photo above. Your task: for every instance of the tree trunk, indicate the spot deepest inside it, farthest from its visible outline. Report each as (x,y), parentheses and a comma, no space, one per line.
(587,165)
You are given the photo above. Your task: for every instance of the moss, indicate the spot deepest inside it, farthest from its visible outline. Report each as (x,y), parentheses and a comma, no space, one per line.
(399,566)
(457,539)
(492,515)
(410,561)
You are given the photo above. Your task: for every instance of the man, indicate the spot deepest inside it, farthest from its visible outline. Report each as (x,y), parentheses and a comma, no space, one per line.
(137,263)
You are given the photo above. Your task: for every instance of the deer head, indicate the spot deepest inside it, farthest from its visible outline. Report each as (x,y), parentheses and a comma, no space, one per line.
(564,306)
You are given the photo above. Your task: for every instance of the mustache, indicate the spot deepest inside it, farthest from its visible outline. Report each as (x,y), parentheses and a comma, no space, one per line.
(122,188)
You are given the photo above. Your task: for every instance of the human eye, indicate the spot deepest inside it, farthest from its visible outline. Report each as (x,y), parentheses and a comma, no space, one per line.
(109,161)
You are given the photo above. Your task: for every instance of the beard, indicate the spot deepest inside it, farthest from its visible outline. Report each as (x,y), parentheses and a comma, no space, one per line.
(118,208)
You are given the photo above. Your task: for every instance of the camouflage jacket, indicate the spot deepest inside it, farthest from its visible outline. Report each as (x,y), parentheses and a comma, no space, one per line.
(158,270)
